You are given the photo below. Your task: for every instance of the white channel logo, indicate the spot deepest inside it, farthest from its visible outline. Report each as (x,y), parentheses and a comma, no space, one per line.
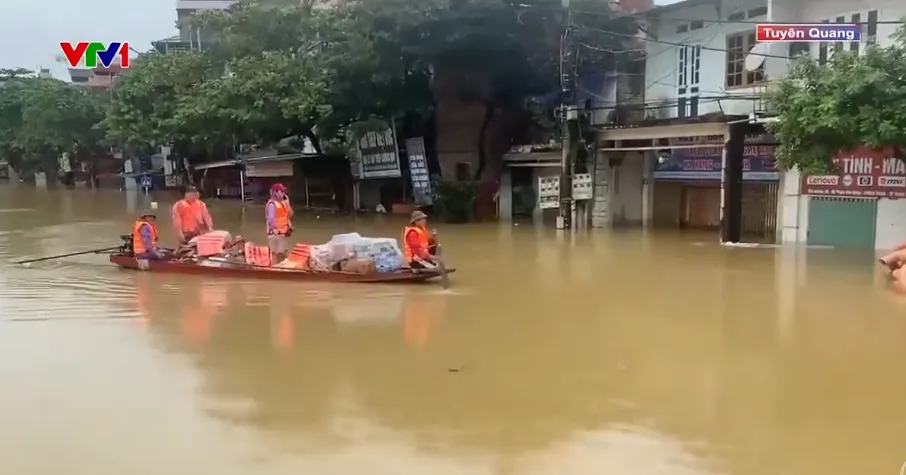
(892,181)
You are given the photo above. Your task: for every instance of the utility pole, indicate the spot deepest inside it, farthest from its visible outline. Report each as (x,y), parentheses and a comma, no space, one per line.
(568,119)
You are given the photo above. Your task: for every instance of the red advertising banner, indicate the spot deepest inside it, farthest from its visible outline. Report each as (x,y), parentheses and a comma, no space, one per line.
(862,173)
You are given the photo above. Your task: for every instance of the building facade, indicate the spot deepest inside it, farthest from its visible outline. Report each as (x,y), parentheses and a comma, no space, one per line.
(671,166)
(864,206)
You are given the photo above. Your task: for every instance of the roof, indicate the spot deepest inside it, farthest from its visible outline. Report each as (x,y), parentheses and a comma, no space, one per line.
(253,160)
(171,39)
(714,117)
(657,10)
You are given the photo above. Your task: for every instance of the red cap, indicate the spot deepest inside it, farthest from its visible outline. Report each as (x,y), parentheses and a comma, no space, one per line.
(277,187)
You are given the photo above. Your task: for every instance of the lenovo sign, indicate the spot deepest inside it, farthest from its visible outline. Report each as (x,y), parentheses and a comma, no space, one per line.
(822,180)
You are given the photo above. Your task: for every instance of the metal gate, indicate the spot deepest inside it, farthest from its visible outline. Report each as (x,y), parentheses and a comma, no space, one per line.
(842,222)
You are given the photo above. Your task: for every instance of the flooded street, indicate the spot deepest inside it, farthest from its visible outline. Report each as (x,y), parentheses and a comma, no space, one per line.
(619,352)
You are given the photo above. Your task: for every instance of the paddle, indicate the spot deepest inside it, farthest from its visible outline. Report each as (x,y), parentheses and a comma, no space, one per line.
(442,269)
(71,254)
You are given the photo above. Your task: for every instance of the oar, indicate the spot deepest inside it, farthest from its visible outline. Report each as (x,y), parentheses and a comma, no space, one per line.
(442,269)
(71,254)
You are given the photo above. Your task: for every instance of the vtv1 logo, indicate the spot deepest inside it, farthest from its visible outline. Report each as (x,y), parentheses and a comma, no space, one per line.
(90,53)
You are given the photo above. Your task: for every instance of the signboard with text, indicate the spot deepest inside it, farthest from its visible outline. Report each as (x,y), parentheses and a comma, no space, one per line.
(418,171)
(863,173)
(706,162)
(378,155)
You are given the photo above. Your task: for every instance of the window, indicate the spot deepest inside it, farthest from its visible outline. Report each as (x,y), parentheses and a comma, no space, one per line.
(682,28)
(738,46)
(737,16)
(687,81)
(869,22)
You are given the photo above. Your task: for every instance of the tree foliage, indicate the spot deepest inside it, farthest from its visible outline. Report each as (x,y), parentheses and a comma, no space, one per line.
(41,118)
(146,101)
(851,101)
(285,68)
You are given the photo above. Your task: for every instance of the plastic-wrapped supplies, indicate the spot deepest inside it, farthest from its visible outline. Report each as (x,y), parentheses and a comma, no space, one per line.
(320,257)
(384,252)
(386,262)
(342,246)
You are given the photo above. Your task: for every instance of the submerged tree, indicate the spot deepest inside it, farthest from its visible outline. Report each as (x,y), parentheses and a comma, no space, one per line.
(850,101)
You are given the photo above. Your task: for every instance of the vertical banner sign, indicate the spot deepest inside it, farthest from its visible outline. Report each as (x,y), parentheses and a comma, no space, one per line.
(379,155)
(418,170)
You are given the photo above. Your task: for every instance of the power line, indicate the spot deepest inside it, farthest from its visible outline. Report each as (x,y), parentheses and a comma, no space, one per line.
(672,43)
(686,20)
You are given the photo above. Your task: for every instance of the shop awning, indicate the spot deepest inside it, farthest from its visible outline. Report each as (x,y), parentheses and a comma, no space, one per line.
(253,160)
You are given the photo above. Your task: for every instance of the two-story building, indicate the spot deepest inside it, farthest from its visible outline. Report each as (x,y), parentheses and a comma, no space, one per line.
(669,168)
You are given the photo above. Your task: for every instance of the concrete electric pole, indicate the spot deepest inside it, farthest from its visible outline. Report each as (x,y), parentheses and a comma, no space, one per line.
(568,118)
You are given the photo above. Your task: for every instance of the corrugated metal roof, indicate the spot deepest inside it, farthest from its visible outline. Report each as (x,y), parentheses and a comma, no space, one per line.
(254,160)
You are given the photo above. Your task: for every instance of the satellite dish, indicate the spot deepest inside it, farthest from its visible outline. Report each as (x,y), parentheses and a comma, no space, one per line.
(756,56)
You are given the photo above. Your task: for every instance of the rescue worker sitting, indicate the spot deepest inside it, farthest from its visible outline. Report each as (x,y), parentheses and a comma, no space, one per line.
(419,244)
(145,238)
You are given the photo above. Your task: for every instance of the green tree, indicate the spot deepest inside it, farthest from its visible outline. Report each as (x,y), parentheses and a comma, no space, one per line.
(263,99)
(850,101)
(42,118)
(146,101)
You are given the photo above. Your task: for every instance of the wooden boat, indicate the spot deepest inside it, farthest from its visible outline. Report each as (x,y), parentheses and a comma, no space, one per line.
(250,272)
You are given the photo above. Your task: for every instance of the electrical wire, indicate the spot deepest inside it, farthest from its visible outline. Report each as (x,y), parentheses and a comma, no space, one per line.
(671,43)
(686,20)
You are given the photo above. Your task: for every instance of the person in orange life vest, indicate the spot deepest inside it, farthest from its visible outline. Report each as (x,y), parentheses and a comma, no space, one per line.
(190,216)
(145,236)
(419,244)
(278,216)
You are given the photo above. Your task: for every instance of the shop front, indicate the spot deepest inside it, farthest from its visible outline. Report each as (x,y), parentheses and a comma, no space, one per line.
(687,185)
(249,178)
(861,208)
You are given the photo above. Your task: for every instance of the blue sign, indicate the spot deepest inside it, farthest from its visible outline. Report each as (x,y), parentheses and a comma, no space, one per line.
(705,164)
(146,181)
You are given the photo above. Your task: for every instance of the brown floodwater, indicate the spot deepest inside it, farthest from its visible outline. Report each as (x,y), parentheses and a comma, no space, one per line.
(622,352)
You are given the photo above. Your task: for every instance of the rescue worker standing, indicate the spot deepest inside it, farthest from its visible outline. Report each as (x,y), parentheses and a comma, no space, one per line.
(278,214)
(419,244)
(145,237)
(190,216)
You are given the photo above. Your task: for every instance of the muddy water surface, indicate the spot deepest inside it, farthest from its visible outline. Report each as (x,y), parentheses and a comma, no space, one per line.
(621,352)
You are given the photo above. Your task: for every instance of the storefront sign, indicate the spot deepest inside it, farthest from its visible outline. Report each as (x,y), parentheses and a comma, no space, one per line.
(706,163)
(379,155)
(269,169)
(862,173)
(418,170)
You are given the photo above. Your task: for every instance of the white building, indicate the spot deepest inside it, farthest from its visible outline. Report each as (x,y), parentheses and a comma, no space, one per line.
(696,83)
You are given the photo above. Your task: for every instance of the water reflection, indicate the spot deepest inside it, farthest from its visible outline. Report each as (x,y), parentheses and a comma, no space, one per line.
(629,352)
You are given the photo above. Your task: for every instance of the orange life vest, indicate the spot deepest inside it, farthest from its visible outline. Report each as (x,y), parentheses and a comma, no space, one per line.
(138,246)
(257,255)
(281,217)
(301,253)
(190,215)
(423,238)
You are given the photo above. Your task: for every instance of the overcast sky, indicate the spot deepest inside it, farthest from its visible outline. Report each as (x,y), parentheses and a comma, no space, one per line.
(33,29)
